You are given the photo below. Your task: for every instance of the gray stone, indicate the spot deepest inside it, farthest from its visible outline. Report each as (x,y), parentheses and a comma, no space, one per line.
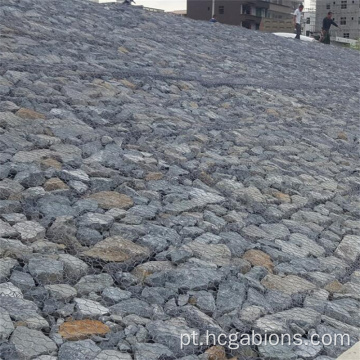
(61,291)
(6,266)
(30,230)
(18,308)
(146,212)
(230,296)
(180,255)
(88,237)
(63,231)
(218,254)
(155,243)
(276,231)
(132,306)
(8,289)
(278,300)
(78,175)
(96,221)
(31,343)
(306,318)
(85,205)
(152,352)
(46,270)
(289,285)
(112,355)
(9,206)
(32,178)
(169,332)
(157,295)
(14,218)
(197,319)
(79,350)
(277,352)
(191,278)
(93,283)
(204,301)
(253,232)
(89,308)
(349,248)
(6,325)
(9,188)
(113,295)
(6,230)
(74,268)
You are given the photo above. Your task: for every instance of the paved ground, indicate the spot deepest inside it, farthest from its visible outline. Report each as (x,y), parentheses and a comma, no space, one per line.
(160,176)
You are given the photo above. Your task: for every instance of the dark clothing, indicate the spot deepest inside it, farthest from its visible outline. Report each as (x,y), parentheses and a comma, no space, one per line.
(298,31)
(327,23)
(326,37)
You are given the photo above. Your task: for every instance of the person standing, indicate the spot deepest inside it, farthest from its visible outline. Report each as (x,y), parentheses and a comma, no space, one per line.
(325,31)
(297,20)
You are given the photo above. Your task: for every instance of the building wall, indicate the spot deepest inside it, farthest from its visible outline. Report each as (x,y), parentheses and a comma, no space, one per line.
(270,25)
(199,10)
(248,13)
(308,25)
(350,15)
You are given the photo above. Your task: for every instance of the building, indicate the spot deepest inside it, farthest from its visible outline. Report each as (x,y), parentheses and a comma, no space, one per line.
(266,15)
(178,12)
(308,27)
(345,13)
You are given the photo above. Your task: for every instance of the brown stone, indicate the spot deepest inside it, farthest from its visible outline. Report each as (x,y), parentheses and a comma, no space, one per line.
(342,136)
(29,114)
(51,163)
(128,84)
(82,329)
(111,199)
(216,353)
(123,50)
(334,287)
(154,176)
(259,258)
(290,284)
(117,249)
(283,197)
(151,267)
(206,178)
(271,111)
(55,184)
(192,300)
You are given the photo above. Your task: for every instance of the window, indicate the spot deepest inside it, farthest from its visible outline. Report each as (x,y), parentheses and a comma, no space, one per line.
(343,4)
(346,35)
(221,10)
(343,21)
(327,6)
(308,20)
(208,8)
